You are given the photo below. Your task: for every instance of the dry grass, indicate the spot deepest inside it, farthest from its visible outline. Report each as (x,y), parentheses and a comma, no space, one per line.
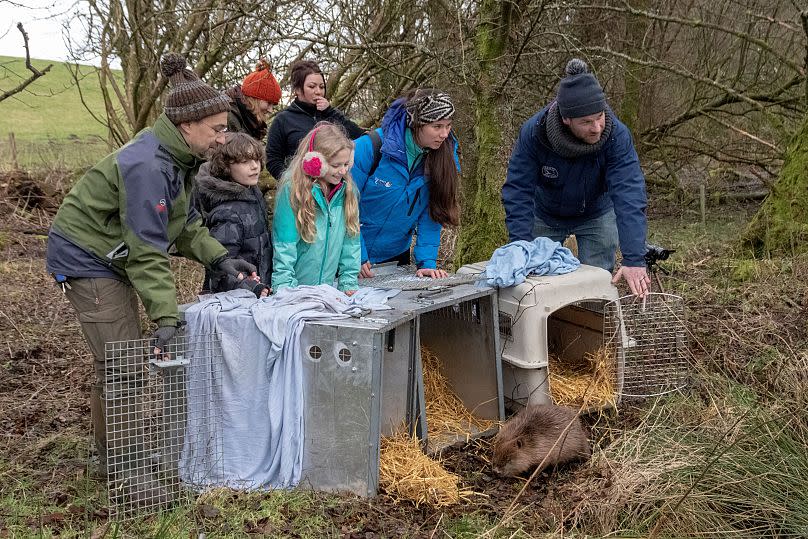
(447,416)
(588,383)
(406,473)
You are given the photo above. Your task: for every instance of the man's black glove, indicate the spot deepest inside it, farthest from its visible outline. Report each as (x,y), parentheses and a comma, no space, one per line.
(163,335)
(233,266)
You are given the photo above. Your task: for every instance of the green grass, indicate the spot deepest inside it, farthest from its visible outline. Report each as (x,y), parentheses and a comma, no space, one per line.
(51,106)
(52,127)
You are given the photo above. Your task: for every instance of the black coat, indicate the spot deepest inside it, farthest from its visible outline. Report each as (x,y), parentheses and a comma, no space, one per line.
(236,216)
(292,124)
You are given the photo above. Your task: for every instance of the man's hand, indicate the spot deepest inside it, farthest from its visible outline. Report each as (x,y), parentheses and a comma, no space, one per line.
(364,270)
(235,267)
(433,273)
(637,278)
(162,336)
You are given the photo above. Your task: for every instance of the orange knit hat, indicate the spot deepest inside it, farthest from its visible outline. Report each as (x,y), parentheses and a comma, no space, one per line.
(261,84)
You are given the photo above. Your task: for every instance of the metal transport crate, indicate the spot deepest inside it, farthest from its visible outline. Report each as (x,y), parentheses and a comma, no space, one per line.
(362,380)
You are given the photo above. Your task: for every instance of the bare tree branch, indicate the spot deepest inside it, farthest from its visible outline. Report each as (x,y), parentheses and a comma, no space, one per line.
(694,23)
(35,72)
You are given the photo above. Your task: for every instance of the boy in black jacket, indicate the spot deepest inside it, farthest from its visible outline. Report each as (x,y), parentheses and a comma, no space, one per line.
(234,210)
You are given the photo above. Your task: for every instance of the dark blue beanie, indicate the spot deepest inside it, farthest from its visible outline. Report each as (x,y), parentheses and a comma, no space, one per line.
(579,93)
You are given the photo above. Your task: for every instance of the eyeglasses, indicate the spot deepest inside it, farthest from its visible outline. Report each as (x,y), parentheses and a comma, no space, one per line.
(217,131)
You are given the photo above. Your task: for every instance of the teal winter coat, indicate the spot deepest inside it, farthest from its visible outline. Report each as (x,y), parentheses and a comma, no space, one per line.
(334,249)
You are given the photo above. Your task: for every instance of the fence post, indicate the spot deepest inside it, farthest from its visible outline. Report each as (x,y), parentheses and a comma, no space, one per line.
(703,204)
(12,142)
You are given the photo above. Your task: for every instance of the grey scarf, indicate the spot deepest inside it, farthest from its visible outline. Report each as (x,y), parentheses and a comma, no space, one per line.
(567,145)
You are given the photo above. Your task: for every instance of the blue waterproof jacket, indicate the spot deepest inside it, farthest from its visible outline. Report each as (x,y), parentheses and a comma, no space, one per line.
(566,192)
(295,262)
(394,201)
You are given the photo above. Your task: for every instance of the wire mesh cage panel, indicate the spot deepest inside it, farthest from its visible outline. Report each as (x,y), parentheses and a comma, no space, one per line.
(652,335)
(161,429)
(404,278)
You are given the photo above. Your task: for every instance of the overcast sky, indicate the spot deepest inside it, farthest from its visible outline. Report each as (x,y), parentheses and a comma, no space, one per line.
(42,20)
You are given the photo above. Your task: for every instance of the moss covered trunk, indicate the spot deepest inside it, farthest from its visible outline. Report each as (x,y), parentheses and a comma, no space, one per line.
(780,226)
(483,220)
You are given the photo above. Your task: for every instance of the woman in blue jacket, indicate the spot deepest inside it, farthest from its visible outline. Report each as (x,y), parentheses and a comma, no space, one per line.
(412,189)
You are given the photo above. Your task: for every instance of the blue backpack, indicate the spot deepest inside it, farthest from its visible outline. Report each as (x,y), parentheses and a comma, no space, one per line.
(376,140)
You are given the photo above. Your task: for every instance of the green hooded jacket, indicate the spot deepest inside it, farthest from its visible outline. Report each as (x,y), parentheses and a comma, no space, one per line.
(122,217)
(334,249)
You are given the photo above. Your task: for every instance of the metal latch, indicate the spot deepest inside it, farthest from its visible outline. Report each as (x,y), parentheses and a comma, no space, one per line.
(179,361)
(428,296)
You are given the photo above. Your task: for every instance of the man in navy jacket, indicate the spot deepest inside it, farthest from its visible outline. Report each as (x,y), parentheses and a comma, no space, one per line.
(574,170)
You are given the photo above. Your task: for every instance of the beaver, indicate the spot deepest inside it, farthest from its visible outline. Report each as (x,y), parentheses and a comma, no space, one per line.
(528,437)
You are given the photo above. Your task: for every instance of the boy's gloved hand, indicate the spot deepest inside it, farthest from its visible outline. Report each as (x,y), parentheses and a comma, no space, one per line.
(233,267)
(255,286)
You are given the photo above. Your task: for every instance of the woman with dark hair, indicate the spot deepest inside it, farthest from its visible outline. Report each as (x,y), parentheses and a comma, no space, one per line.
(294,122)
(412,187)
(252,101)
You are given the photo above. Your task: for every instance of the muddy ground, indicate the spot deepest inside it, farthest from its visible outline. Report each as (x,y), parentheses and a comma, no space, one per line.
(45,376)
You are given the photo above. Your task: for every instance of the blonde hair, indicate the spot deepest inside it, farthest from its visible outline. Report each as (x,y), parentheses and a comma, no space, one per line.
(329,140)
(254,106)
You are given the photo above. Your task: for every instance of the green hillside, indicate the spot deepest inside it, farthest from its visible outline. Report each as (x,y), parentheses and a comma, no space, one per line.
(51,106)
(51,126)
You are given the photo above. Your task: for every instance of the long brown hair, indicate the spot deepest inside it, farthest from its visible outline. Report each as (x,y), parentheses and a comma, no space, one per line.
(330,140)
(441,170)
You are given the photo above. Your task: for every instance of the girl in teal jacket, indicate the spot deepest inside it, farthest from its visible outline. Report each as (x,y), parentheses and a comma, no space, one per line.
(315,232)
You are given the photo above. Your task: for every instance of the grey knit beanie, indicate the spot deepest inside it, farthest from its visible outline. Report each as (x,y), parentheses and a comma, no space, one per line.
(579,93)
(189,99)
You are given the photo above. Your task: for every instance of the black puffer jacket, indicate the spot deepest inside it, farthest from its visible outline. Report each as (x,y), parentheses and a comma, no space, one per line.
(236,216)
(292,124)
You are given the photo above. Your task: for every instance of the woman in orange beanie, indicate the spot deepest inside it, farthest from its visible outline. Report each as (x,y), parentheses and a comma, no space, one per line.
(252,101)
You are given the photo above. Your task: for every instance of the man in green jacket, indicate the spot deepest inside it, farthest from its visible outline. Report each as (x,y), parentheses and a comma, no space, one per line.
(111,236)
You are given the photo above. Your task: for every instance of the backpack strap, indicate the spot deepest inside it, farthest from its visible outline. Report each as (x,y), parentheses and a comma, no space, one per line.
(376,140)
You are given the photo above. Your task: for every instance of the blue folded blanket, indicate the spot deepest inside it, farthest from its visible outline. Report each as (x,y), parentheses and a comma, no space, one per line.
(512,263)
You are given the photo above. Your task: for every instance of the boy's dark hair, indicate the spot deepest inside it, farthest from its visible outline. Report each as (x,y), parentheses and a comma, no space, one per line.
(237,148)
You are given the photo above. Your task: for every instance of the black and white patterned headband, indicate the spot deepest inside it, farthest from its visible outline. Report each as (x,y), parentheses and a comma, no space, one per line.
(429,108)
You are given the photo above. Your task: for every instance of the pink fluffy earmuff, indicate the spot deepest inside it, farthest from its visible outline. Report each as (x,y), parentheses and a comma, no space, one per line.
(314,163)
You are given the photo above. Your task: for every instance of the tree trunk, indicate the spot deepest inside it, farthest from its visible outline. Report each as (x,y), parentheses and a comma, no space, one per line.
(483,227)
(636,29)
(780,227)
